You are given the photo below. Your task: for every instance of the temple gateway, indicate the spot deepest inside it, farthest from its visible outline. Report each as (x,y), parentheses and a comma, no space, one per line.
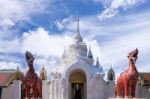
(76,77)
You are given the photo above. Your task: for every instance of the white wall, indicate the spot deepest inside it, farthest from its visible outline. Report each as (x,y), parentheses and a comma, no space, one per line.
(96,89)
(142,92)
(100,89)
(13,91)
(45,89)
(17,89)
(7,93)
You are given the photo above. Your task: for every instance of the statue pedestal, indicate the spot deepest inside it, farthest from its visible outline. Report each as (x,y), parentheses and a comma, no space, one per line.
(127,98)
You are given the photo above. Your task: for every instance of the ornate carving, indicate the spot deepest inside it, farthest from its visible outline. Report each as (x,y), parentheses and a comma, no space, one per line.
(126,82)
(31,84)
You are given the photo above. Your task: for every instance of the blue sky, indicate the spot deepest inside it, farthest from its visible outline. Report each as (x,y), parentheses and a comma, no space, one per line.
(46,27)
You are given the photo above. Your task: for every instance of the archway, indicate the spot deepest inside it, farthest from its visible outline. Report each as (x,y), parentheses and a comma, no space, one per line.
(77,81)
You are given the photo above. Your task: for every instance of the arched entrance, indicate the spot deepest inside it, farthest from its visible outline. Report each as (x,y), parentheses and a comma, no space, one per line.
(77,81)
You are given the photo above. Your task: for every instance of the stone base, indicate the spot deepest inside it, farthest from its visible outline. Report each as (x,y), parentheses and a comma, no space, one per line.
(128,98)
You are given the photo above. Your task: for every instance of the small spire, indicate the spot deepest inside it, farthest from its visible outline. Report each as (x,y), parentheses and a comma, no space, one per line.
(97,62)
(18,73)
(78,37)
(43,73)
(111,74)
(90,55)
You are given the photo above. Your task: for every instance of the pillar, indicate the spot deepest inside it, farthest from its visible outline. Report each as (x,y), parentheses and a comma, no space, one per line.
(45,89)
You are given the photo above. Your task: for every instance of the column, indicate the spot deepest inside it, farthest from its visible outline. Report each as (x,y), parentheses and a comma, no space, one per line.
(45,89)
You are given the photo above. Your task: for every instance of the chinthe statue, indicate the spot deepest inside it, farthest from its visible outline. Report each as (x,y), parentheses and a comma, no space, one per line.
(126,82)
(31,83)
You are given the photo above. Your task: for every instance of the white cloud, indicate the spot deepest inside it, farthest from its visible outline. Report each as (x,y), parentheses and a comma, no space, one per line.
(63,24)
(114,6)
(110,41)
(48,63)
(118,48)
(10,46)
(46,48)
(88,25)
(41,43)
(95,47)
(59,25)
(8,65)
(13,11)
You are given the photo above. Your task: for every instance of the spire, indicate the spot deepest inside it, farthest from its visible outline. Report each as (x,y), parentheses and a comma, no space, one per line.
(43,73)
(97,62)
(78,25)
(98,65)
(18,73)
(78,37)
(90,55)
(111,74)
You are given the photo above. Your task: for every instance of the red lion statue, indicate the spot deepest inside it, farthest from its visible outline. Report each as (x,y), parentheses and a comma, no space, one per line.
(126,82)
(31,83)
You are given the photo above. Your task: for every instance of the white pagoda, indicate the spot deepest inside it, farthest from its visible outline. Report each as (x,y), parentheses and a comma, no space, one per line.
(77,77)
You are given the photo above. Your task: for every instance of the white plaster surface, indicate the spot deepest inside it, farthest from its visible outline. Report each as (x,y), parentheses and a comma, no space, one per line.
(45,89)
(13,91)
(142,92)
(76,59)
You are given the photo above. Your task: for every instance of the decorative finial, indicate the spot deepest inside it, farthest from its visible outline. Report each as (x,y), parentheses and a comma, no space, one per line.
(78,37)
(78,25)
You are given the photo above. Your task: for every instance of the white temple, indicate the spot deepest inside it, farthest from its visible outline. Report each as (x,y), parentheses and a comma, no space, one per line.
(77,77)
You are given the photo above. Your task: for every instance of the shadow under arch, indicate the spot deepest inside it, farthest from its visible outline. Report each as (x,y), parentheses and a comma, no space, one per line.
(77,84)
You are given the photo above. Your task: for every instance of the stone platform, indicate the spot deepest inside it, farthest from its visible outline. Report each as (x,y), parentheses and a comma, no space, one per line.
(128,98)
